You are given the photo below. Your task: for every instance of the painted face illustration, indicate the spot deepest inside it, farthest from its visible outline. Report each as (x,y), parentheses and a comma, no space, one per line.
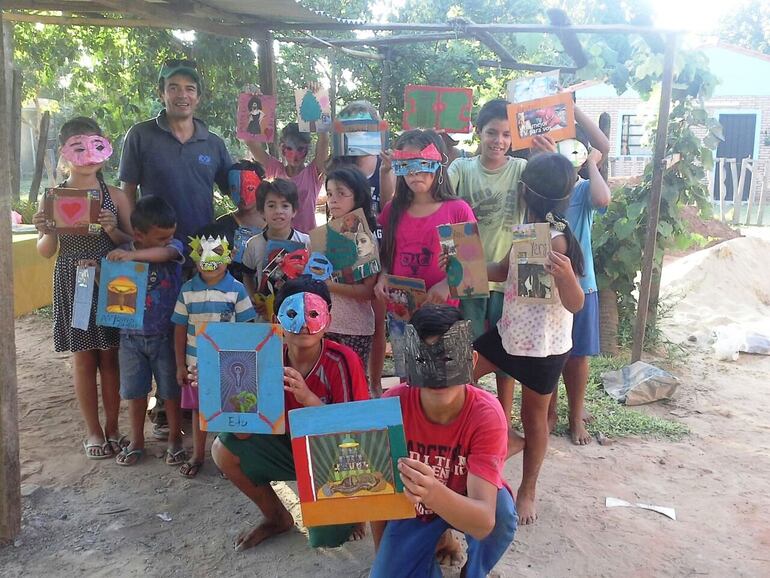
(319,267)
(364,244)
(294,152)
(243,187)
(82,150)
(447,362)
(209,252)
(294,263)
(304,310)
(410,166)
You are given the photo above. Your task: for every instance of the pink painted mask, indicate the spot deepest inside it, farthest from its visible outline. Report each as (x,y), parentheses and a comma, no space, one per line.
(294,154)
(82,150)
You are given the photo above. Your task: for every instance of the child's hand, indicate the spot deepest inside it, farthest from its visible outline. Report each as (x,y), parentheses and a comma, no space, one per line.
(379,289)
(40,222)
(108,220)
(595,157)
(386,158)
(119,255)
(443,260)
(260,307)
(543,143)
(559,266)
(419,482)
(294,383)
(187,375)
(438,294)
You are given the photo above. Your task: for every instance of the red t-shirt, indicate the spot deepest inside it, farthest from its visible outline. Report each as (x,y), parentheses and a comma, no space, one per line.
(338,376)
(476,441)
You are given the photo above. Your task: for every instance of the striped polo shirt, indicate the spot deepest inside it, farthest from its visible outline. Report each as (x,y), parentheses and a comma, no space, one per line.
(198,303)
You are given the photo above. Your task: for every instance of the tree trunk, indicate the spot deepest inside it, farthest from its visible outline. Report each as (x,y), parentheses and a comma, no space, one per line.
(42,146)
(608,322)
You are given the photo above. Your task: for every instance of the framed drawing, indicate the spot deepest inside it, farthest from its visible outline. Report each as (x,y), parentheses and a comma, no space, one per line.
(529,254)
(466,267)
(346,457)
(554,115)
(359,137)
(313,110)
(240,379)
(533,87)
(73,211)
(122,293)
(350,246)
(255,118)
(437,107)
(405,295)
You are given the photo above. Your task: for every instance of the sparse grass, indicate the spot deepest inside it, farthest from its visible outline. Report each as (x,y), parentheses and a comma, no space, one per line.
(44,312)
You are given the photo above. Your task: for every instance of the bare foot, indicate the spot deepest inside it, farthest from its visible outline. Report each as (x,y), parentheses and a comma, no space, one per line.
(516,443)
(552,421)
(448,551)
(358,533)
(579,434)
(587,417)
(250,538)
(525,506)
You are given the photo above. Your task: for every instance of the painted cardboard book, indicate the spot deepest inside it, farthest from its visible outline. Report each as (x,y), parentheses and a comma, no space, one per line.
(350,246)
(533,87)
(73,211)
(241,238)
(255,118)
(122,294)
(437,107)
(313,110)
(359,137)
(345,456)
(466,266)
(553,115)
(83,298)
(529,254)
(240,373)
(405,295)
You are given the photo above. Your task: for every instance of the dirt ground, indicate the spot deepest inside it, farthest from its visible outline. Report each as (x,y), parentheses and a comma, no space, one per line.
(99,519)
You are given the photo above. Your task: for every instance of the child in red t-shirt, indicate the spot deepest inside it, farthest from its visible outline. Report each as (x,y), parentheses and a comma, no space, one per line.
(317,371)
(456,436)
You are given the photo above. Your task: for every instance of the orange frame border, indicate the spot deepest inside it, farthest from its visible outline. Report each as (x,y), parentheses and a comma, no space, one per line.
(563,98)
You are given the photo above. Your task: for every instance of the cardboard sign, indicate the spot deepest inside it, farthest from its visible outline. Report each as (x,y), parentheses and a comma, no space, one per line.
(553,115)
(346,456)
(122,294)
(350,246)
(313,110)
(359,137)
(255,119)
(240,379)
(83,298)
(437,107)
(405,296)
(467,266)
(529,254)
(533,87)
(73,211)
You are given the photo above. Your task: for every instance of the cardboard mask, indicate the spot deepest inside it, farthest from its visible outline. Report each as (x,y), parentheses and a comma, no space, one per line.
(319,267)
(86,149)
(447,362)
(243,186)
(209,252)
(411,166)
(430,153)
(304,310)
(293,264)
(294,153)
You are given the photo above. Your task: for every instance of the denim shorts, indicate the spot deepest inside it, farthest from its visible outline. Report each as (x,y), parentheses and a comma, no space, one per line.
(143,357)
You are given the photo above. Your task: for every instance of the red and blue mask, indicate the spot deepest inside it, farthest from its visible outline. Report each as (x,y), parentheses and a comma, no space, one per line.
(243,186)
(304,310)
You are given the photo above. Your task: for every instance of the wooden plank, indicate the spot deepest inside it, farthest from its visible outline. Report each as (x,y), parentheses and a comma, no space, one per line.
(764,185)
(567,36)
(42,145)
(722,189)
(658,164)
(10,488)
(750,203)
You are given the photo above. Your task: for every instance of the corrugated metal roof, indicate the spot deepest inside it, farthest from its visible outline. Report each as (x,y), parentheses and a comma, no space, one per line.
(272,10)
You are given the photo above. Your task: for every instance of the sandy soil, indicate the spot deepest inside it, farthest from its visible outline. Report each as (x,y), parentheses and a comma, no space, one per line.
(98,519)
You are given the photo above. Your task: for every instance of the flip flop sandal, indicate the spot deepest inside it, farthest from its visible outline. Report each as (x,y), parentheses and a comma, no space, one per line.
(190,469)
(175,458)
(128,458)
(120,443)
(102,456)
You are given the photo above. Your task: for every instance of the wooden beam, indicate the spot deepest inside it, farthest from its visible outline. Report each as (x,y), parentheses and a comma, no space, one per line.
(653,211)
(515,65)
(10,480)
(87,21)
(567,36)
(374,41)
(15,128)
(42,145)
(267,79)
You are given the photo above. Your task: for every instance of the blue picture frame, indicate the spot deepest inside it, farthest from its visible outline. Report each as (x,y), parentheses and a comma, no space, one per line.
(122,294)
(240,378)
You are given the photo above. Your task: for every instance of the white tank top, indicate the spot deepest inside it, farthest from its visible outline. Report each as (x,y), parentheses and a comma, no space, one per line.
(533,329)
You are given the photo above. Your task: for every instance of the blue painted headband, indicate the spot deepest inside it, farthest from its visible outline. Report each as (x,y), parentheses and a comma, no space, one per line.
(409,166)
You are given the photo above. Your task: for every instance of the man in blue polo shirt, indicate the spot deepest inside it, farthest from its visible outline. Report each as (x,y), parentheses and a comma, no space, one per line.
(174,156)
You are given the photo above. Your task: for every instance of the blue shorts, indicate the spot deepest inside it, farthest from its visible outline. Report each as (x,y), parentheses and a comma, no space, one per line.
(396,329)
(143,357)
(585,328)
(408,547)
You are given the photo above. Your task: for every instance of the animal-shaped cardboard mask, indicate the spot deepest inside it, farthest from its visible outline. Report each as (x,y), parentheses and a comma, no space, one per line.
(428,160)
(304,310)
(243,186)
(209,252)
(319,267)
(447,362)
(82,150)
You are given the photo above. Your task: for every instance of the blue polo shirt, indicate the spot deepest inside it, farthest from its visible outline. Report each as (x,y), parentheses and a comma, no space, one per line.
(181,173)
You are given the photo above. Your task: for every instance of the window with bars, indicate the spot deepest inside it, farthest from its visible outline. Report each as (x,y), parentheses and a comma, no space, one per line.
(632,136)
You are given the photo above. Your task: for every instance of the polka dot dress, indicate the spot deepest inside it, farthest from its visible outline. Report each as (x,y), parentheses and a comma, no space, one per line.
(73,248)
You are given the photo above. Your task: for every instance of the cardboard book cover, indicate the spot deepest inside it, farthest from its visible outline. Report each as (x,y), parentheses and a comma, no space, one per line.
(529,254)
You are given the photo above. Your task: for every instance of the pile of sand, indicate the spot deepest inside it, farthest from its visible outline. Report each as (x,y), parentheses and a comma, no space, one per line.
(724,284)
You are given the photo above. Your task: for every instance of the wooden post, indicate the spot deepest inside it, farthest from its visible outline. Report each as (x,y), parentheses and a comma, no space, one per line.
(15,136)
(605,124)
(10,489)
(266,60)
(385,81)
(42,145)
(658,165)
